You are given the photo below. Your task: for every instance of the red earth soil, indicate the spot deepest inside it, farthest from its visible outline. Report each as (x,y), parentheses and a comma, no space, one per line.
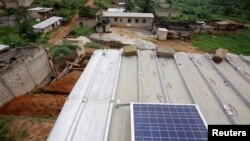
(64,85)
(34,105)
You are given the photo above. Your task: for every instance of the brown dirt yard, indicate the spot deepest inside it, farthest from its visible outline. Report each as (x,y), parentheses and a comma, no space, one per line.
(19,128)
(178,45)
(34,105)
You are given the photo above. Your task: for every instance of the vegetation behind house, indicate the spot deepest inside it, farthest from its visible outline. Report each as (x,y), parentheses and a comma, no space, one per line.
(235,43)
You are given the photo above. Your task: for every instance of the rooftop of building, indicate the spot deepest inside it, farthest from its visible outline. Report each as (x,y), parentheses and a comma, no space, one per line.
(128,14)
(98,106)
(47,22)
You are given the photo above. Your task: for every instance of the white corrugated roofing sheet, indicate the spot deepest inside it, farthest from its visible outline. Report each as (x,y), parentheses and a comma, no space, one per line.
(47,22)
(98,106)
(4,47)
(128,14)
(116,10)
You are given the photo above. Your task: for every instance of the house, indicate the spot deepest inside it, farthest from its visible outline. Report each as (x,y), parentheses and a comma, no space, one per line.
(200,27)
(17,3)
(139,20)
(41,13)
(98,108)
(48,25)
(224,27)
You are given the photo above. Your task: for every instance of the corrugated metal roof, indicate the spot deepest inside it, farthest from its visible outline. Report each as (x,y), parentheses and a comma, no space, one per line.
(40,9)
(127,14)
(120,10)
(98,106)
(47,22)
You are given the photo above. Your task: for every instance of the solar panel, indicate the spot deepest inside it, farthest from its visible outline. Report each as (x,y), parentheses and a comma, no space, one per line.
(167,122)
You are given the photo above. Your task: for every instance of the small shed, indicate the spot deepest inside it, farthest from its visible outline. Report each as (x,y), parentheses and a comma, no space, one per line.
(48,25)
(162,34)
(40,12)
(129,19)
(224,25)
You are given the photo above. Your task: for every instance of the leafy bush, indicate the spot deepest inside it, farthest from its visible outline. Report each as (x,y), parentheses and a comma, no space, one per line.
(102,4)
(81,31)
(61,51)
(87,12)
(65,13)
(42,39)
(14,40)
(129,6)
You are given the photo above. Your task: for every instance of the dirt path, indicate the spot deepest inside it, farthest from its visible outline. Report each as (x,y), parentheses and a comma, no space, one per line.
(90,3)
(63,31)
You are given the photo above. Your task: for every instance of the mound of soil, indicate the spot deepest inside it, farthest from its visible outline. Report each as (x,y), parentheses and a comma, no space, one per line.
(34,105)
(63,85)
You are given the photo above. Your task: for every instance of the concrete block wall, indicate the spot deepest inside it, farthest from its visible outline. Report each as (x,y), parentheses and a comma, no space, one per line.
(22,76)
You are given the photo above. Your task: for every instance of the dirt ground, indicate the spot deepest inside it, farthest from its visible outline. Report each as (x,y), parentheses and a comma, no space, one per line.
(18,128)
(63,31)
(34,105)
(90,3)
(178,45)
(63,85)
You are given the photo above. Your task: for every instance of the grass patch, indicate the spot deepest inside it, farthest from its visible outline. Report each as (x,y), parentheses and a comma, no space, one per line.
(95,45)
(82,31)
(60,52)
(24,133)
(4,129)
(234,43)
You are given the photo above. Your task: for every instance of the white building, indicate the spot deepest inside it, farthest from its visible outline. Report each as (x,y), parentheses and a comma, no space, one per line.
(40,12)
(143,20)
(48,25)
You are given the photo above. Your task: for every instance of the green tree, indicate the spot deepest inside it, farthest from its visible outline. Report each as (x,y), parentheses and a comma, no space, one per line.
(146,6)
(129,6)
(87,12)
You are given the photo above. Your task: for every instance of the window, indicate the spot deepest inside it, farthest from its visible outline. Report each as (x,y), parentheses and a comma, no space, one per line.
(120,20)
(144,20)
(115,19)
(129,20)
(136,20)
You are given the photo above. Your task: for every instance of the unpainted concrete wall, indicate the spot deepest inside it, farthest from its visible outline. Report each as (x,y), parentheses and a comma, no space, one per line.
(124,22)
(23,75)
(86,22)
(8,21)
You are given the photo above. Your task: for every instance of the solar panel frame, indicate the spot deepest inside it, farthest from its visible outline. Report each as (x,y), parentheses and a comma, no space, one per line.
(132,114)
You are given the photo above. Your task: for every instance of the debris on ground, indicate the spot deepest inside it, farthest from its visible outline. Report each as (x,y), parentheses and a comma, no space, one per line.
(34,105)
(220,55)
(165,52)
(143,44)
(63,85)
(130,50)
(80,42)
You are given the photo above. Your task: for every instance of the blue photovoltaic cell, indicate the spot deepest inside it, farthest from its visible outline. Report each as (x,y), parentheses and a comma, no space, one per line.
(155,122)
